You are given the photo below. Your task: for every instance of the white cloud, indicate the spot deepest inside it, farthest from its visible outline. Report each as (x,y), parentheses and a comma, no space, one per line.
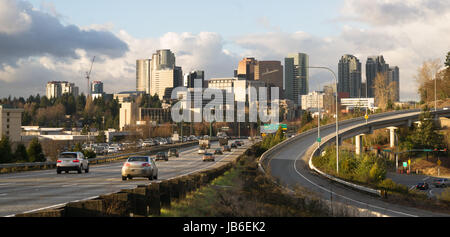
(12,18)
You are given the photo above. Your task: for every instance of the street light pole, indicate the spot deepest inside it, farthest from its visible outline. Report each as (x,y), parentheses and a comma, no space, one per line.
(337,118)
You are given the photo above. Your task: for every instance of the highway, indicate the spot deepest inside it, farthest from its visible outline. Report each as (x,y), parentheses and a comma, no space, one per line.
(35,190)
(290,166)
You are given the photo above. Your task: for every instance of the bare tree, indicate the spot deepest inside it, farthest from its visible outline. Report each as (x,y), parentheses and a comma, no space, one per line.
(425,78)
(384,91)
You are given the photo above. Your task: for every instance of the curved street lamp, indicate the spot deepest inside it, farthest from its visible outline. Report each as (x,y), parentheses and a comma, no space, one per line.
(337,112)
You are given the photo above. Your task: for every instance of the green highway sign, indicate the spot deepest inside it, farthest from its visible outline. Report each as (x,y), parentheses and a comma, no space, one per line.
(428,150)
(405,164)
(319,139)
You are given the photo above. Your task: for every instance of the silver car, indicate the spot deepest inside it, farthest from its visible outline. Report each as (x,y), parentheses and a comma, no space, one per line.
(140,166)
(68,161)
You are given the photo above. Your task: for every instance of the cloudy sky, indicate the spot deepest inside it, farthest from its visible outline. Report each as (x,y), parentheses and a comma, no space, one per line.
(44,40)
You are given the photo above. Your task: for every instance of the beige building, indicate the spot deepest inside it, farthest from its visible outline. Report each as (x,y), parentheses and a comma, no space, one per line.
(164,75)
(237,86)
(128,115)
(143,73)
(55,89)
(11,123)
(312,100)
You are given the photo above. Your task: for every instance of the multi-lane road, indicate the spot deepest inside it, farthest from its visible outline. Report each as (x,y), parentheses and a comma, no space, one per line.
(290,166)
(35,190)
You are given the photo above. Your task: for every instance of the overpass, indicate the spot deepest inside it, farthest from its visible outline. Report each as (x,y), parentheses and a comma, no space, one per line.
(289,163)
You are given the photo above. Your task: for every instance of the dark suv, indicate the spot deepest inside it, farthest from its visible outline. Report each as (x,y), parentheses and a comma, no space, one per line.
(174,152)
(162,156)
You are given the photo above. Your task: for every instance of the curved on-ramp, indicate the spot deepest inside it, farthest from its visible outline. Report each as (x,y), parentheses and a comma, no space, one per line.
(288,163)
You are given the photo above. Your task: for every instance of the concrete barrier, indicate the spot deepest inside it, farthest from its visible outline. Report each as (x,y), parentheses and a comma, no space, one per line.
(15,167)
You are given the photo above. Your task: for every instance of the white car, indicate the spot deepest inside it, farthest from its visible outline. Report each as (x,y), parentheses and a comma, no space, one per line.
(68,161)
(112,149)
(201,150)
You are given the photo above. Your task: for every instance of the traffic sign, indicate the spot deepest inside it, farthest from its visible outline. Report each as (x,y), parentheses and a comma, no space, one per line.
(439,162)
(405,164)
(366,117)
(409,162)
(319,139)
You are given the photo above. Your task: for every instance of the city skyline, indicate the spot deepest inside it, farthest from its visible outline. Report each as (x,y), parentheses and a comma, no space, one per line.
(353,29)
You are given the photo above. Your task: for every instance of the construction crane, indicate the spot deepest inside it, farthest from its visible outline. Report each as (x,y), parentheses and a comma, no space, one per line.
(88,77)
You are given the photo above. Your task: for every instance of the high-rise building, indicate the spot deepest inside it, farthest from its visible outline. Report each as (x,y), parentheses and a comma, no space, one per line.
(270,72)
(143,74)
(57,88)
(394,77)
(296,76)
(349,76)
(11,123)
(97,87)
(189,80)
(374,66)
(164,74)
(246,68)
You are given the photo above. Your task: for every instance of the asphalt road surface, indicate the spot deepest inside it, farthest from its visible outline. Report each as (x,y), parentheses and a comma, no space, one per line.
(291,168)
(35,190)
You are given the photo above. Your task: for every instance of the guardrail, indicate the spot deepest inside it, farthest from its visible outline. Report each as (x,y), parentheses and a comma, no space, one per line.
(13,167)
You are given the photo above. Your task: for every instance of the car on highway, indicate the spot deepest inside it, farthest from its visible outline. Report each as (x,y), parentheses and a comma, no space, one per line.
(173,152)
(226,148)
(233,145)
(208,157)
(238,143)
(112,149)
(162,156)
(422,186)
(440,183)
(218,151)
(139,166)
(201,150)
(68,161)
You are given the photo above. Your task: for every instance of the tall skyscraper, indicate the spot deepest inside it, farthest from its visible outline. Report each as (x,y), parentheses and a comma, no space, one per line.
(394,77)
(374,65)
(97,87)
(246,68)
(190,78)
(143,74)
(296,76)
(269,72)
(349,74)
(164,74)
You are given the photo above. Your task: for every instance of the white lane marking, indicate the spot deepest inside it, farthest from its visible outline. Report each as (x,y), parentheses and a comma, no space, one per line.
(3,194)
(53,206)
(5,184)
(69,185)
(425,178)
(361,203)
(62,204)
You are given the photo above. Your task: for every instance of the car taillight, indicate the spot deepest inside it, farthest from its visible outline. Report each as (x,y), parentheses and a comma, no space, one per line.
(59,161)
(75,161)
(127,164)
(146,165)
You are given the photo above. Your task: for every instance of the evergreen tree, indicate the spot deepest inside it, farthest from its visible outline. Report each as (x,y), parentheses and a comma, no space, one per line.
(21,153)
(6,155)
(35,152)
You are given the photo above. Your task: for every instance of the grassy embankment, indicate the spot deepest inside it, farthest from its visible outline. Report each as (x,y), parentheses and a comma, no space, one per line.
(245,192)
